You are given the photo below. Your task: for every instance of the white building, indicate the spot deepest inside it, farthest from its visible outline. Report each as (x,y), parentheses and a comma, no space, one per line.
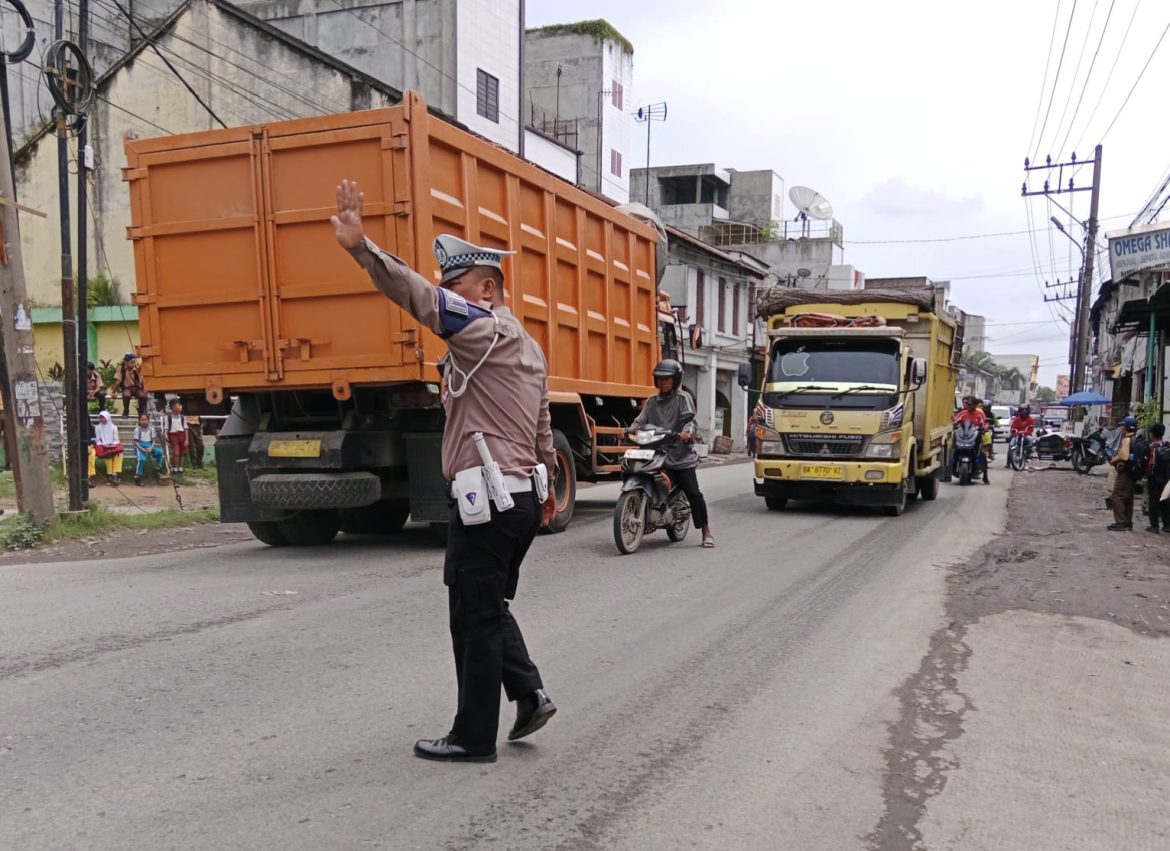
(578,84)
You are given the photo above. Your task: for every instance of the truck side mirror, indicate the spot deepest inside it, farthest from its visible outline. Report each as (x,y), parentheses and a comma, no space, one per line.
(918,372)
(745,376)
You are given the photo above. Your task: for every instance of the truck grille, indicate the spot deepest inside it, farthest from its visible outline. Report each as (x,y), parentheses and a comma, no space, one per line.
(823,445)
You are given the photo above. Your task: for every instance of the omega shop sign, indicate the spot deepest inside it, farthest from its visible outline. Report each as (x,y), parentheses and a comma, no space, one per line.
(1138,249)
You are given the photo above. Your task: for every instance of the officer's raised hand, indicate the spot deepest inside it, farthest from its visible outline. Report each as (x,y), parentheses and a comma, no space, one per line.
(347,224)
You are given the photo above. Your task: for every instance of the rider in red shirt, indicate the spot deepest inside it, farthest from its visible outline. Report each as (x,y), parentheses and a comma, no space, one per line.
(1024,427)
(971,413)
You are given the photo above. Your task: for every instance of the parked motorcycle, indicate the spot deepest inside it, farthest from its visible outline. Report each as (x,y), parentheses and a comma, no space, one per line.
(1048,446)
(649,500)
(967,459)
(1089,451)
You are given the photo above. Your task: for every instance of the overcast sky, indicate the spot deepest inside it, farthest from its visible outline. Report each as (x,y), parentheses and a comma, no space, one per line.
(913,119)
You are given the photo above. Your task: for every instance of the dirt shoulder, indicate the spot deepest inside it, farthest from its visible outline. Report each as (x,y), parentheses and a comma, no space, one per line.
(1057,557)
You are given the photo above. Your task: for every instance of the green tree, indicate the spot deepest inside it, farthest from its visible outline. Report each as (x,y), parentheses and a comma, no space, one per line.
(1045,395)
(1011,377)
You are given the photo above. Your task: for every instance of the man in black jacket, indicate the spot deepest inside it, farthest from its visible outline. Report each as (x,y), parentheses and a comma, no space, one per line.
(1159,475)
(666,409)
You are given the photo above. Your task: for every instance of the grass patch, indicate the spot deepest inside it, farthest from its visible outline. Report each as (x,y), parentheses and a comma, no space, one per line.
(22,534)
(7,485)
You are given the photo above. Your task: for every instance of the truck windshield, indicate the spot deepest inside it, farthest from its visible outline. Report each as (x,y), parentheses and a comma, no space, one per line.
(870,366)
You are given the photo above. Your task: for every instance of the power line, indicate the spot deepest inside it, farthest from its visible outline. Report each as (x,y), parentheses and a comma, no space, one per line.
(1072,121)
(1135,82)
(1076,72)
(1109,76)
(1055,79)
(960,237)
(174,70)
(1044,82)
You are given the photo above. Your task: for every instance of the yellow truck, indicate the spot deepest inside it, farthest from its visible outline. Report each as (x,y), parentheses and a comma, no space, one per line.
(856,397)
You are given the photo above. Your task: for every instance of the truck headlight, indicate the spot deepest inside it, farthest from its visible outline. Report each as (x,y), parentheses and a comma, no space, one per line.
(886,445)
(771,447)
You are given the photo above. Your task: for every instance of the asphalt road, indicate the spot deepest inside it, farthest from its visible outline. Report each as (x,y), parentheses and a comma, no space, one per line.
(244,697)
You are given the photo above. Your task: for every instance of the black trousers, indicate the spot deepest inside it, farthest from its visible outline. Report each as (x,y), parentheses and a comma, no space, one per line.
(195,444)
(688,480)
(481,570)
(1159,512)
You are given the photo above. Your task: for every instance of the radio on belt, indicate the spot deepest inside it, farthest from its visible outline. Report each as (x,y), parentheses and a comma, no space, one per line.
(493,479)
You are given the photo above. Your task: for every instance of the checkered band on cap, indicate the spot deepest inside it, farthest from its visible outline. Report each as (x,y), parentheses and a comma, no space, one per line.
(474,259)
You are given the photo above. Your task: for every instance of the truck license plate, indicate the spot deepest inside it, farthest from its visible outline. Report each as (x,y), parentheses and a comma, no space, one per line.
(822,471)
(640,454)
(294,449)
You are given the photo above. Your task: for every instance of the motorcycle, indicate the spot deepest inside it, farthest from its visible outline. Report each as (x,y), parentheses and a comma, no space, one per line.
(1090,451)
(1048,446)
(649,500)
(968,459)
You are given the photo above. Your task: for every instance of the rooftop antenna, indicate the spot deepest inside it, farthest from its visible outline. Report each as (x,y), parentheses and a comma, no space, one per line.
(647,114)
(811,205)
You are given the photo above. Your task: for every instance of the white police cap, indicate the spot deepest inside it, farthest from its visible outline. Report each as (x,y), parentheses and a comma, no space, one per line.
(456,256)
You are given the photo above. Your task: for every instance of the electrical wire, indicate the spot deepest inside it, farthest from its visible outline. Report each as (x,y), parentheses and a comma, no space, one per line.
(1109,76)
(1044,83)
(1072,121)
(1055,81)
(1076,72)
(1133,88)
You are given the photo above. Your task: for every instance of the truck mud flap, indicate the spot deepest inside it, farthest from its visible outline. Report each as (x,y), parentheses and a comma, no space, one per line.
(235,497)
(295,491)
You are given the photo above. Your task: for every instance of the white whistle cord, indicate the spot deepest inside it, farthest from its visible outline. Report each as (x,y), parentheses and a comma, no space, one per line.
(456,392)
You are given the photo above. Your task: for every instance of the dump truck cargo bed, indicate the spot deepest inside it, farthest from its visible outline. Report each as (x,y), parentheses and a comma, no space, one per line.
(241,286)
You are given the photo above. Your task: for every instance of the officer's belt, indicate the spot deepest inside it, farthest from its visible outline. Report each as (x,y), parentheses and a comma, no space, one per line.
(515,484)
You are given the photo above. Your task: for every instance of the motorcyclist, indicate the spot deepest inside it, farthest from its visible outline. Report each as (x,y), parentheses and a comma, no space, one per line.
(972,413)
(1024,426)
(988,436)
(665,409)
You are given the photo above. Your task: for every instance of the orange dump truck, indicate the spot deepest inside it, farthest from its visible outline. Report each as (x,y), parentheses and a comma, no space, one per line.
(335,420)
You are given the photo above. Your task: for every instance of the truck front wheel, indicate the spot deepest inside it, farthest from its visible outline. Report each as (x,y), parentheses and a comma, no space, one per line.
(311,528)
(775,503)
(565,488)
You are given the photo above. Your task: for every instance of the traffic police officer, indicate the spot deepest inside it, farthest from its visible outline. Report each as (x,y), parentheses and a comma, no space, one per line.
(495,383)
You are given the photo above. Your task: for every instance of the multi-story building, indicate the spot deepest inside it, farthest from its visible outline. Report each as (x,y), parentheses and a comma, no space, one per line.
(578,86)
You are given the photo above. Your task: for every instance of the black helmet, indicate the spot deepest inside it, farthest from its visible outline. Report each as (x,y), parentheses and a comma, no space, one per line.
(669,368)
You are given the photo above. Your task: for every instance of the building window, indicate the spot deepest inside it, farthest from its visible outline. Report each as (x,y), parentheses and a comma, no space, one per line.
(615,162)
(722,305)
(615,94)
(487,95)
(735,311)
(700,299)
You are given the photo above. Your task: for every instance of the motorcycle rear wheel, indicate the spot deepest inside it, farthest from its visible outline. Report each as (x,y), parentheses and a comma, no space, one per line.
(629,521)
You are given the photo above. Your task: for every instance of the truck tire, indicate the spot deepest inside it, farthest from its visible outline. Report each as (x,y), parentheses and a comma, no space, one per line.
(310,491)
(566,482)
(385,517)
(311,528)
(928,488)
(268,533)
(775,503)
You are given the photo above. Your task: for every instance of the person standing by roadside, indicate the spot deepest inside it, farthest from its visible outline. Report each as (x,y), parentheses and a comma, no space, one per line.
(494,388)
(1125,478)
(175,426)
(1158,470)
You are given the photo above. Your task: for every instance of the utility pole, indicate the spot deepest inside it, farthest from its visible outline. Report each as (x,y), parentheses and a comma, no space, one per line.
(1079,332)
(34,488)
(81,455)
(1086,291)
(648,114)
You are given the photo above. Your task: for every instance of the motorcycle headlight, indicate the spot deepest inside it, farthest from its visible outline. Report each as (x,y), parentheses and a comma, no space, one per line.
(771,447)
(643,437)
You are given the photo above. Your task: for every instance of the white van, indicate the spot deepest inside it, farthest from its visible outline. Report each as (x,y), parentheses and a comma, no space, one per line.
(1003,416)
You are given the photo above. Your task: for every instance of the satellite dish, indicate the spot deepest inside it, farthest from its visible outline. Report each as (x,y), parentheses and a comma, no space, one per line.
(812,204)
(803,273)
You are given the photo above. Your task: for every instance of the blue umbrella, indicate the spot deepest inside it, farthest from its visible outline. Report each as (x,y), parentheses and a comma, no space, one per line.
(1085,397)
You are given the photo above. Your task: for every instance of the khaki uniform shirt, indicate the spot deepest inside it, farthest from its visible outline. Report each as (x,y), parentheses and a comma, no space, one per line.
(506,398)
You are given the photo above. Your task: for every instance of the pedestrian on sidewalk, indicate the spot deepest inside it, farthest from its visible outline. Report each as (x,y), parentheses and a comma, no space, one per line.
(1158,466)
(175,426)
(1125,479)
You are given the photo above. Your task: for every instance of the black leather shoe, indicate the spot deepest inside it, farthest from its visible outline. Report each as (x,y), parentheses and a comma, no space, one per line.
(444,750)
(1120,527)
(532,713)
